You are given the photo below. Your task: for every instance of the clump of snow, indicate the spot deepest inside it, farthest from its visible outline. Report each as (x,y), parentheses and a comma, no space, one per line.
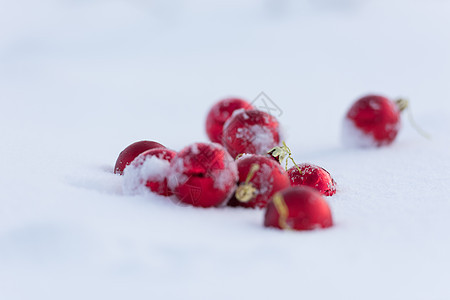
(352,136)
(194,148)
(176,172)
(225,177)
(259,136)
(141,170)
(265,180)
(243,155)
(235,112)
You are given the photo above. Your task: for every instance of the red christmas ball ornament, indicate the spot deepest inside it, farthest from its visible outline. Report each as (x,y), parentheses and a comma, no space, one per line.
(373,121)
(250,131)
(312,176)
(149,171)
(131,152)
(298,208)
(220,113)
(203,175)
(259,178)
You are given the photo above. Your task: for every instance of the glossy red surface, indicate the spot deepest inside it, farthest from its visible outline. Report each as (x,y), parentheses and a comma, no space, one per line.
(251,131)
(376,117)
(306,210)
(207,175)
(220,113)
(131,152)
(312,176)
(269,179)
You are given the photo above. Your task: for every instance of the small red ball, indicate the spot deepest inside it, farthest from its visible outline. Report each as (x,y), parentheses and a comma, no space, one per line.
(149,171)
(220,113)
(265,180)
(203,175)
(251,131)
(131,152)
(298,208)
(312,176)
(371,121)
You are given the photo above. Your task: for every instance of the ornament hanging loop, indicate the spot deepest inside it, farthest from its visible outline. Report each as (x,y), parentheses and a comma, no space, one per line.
(246,191)
(402,105)
(283,153)
(282,209)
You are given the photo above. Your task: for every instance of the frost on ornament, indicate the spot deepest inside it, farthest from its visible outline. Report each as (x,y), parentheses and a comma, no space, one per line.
(131,152)
(148,172)
(312,176)
(250,131)
(203,175)
(260,137)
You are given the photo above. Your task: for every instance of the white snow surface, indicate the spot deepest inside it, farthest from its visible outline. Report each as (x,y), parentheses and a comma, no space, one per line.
(81,80)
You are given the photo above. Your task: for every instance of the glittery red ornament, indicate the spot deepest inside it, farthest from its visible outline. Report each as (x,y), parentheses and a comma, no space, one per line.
(203,175)
(298,208)
(220,113)
(312,176)
(372,121)
(250,131)
(131,152)
(259,178)
(149,171)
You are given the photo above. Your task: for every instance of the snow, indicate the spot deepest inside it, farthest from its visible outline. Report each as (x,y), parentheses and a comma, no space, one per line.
(141,170)
(352,136)
(265,180)
(261,137)
(177,174)
(194,149)
(223,177)
(80,80)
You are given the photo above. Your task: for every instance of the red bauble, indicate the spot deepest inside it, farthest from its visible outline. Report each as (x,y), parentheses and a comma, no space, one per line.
(203,175)
(149,171)
(372,121)
(312,176)
(259,178)
(131,152)
(220,113)
(250,131)
(298,208)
